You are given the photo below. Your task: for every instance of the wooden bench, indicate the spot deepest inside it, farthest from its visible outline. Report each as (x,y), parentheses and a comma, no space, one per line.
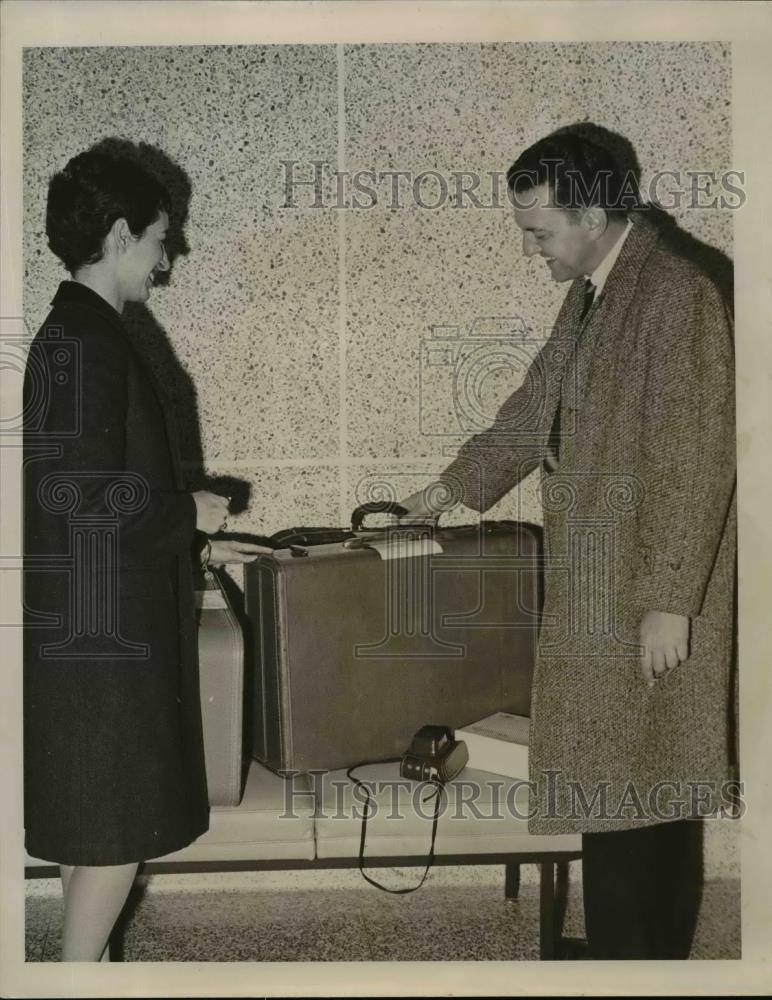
(308,822)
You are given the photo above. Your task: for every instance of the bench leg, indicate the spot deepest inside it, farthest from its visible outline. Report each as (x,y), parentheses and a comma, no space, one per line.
(561,898)
(547,923)
(512,880)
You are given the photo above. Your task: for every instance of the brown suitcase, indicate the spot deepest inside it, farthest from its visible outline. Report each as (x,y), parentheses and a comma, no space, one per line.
(358,643)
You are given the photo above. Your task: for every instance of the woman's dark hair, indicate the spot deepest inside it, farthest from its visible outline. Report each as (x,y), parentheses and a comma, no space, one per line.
(580,173)
(86,198)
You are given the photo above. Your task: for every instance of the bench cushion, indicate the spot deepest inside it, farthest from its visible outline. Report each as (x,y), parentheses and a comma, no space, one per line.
(481,813)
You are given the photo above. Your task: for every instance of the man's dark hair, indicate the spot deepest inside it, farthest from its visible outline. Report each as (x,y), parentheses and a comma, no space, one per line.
(89,194)
(581,174)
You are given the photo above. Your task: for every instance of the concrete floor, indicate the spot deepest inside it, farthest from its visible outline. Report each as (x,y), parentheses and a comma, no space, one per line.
(460,914)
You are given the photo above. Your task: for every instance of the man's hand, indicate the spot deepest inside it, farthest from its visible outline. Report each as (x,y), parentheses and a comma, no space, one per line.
(427,504)
(665,641)
(224,551)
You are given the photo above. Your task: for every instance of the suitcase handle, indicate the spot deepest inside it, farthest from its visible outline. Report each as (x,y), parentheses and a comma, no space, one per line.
(376,507)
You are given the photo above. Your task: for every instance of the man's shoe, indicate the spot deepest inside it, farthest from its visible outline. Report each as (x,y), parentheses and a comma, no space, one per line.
(572,949)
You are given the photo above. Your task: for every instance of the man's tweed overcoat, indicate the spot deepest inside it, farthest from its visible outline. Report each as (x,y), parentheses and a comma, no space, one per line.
(639,515)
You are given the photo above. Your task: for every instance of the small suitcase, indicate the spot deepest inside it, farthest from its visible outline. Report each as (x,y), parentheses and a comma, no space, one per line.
(221,672)
(358,642)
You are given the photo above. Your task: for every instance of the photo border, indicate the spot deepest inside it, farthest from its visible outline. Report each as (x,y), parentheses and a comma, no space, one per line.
(748,26)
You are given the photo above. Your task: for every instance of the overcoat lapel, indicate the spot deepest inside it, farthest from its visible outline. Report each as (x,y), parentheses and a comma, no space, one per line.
(595,335)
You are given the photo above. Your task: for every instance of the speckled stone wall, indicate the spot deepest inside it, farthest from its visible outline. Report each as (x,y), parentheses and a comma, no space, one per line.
(290,337)
(245,336)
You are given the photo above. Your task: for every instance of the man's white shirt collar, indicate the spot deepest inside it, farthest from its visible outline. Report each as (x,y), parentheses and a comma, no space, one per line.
(602,271)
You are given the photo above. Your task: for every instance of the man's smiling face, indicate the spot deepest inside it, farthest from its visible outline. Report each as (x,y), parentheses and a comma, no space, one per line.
(562,238)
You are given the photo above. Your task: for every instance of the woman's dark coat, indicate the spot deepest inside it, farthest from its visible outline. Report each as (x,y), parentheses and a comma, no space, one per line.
(113,750)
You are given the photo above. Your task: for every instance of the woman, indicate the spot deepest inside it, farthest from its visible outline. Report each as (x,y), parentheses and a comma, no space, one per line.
(114,760)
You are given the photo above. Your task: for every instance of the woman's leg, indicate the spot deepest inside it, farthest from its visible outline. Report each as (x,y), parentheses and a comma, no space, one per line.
(93,898)
(66,874)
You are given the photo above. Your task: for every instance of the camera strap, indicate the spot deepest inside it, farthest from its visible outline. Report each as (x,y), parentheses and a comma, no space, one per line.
(439,788)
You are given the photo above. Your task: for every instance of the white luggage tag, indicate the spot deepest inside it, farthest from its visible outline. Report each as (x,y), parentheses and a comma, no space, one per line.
(400,546)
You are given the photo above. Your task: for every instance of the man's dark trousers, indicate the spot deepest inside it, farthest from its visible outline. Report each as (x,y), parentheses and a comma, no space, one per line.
(642,890)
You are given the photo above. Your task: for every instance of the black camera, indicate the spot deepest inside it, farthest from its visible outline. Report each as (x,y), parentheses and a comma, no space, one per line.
(434,755)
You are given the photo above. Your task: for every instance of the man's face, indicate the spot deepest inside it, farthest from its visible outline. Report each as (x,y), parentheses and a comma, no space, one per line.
(561,237)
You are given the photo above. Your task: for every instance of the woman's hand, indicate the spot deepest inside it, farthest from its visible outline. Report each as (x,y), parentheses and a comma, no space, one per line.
(223,551)
(211,511)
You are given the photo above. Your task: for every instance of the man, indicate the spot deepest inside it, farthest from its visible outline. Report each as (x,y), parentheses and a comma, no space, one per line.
(629,411)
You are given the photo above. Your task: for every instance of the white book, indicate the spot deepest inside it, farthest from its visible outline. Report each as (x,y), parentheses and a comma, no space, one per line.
(499,744)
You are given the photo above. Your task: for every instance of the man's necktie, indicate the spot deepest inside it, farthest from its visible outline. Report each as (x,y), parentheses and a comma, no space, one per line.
(589,296)
(554,438)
